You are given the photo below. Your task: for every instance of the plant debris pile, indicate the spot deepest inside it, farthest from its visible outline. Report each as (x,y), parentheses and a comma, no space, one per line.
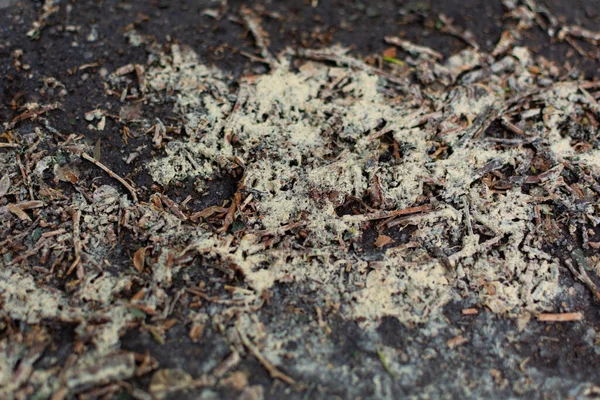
(387,190)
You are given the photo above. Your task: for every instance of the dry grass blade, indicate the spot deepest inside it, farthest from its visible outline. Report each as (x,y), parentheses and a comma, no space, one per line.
(385,214)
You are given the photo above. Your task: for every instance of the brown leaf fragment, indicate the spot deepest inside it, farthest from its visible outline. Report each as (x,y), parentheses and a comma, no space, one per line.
(66,173)
(456,341)
(237,381)
(383,240)
(390,52)
(22,215)
(139,259)
(375,192)
(125,69)
(208,212)
(196,332)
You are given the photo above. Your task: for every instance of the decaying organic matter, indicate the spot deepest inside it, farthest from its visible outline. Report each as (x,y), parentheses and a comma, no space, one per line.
(378,190)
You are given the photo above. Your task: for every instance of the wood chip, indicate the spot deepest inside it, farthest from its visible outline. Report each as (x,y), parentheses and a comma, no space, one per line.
(566,317)
(18,212)
(456,341)
(383,240)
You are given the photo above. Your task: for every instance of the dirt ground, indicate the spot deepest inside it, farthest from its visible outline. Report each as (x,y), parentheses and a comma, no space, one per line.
(68,56)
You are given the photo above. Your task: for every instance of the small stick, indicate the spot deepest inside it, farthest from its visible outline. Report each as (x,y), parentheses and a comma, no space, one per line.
(456,341)
(469,311)
(26,205)
(31,114)
(412,48)
(8,145)
(111,174)
(385,214)
(252,22)
(342,59)
(26,177)
(281,230)
(583,277)
(464,35)
(28,254)
(174,207)
(566,317)
(467,206)
(76,240)
(54,233)
(273,371)
(511,127)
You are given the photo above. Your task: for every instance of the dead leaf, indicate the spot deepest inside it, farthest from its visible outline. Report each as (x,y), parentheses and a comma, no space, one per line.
(456,341)
(139,259)
(18,212)
(383,240)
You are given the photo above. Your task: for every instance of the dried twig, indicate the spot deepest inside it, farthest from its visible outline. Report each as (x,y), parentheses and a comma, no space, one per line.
(252,22)
(582,276)
(111,174)
(76,240)
(26,205)
(385,214)
(273,371)
(566,317)
(341,59)
(31,114)
(412,48)
(464,35)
